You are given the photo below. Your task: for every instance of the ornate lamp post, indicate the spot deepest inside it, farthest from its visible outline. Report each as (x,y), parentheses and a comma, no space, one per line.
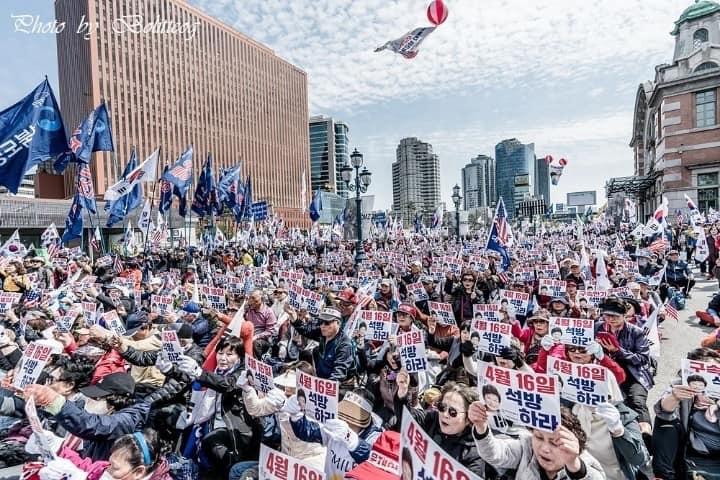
(361,184)
(456,197)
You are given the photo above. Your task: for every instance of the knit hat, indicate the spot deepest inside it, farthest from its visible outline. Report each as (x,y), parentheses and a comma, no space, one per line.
(408,309)
(355,410)
(384,460)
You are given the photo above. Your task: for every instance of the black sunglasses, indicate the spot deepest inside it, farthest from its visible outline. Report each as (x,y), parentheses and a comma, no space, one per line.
(450,410)
(575,349)
(327,322)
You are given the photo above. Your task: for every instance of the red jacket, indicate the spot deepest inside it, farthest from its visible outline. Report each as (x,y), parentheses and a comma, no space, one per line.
(111,362)
(558,351)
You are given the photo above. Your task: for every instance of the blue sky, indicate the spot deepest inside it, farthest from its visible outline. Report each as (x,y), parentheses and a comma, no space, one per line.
(559,73)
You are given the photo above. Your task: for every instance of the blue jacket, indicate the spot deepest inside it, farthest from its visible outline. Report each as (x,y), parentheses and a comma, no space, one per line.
(201,333)
(99,432)
(334,360)
(677,272)
(634,352)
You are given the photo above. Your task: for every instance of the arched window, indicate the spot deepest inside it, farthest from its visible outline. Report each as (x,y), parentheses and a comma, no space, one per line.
(699,37)
(706,66)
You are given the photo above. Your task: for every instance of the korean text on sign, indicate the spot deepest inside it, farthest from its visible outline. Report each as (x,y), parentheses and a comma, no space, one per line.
(31,364)
(113,322)
(262,375)
(171,348)
(320,397)
(418,291)
(519,300)
(553,288)
(215,296)
(709,372)
(7,300)
(572,331)
(530,399)
(161,304)
(412,351)
(586,384)
(486,311)
(429,460)
(377,324)
(443,312)
(494,336)
(274,465)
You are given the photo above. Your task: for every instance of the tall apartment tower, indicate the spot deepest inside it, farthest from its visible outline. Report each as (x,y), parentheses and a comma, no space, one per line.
(416,179)
(186,79)
(329,150)
(478,178)
(515,172)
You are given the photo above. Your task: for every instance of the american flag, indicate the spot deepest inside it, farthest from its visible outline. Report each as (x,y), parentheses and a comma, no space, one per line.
(659,245)
(117,264)
(54,248)
(503,277)
(672,311)
(32,298)
(182,172)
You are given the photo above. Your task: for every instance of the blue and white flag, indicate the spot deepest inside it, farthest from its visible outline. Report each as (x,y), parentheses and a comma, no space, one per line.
(205,200)
(180,174)
(227,187)
(74,221)
(31,131)
(498,239)
(316,206)
(85,189)
(120,208)
(93,135)
(246,211)
(408,44)
(166,192)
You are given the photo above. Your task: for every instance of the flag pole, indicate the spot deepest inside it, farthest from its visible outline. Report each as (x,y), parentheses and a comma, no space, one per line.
(152,201)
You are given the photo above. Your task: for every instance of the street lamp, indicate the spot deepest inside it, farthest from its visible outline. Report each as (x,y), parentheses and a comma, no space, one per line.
(361,184)
(456,200)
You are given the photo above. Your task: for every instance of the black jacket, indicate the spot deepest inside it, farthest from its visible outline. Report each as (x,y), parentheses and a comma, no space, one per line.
(334,359)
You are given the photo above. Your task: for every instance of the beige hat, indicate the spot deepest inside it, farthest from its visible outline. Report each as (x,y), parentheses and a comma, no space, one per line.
(355,410)
(286,380)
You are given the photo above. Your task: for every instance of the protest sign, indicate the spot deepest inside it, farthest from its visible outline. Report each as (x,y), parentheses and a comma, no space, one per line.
(274,465)
(7,300)
(64,323)
(89,313)
(317,397)
(701,375)
(477,263)
(377,324)
(552,288)
(548,271)
(171,348)
(31,364)
(429,460)
(524,274)
(593,297)
(417,290)
(572,331)
(214,296)
(451,265)
(586,384)
(412,351)
(619,292)
(518,300)
(113,322)
(443,312)
(486,311)
(259,375)
(302,298)
(526,398)
(291,277)
(494,336)
(161,304)
(43,441)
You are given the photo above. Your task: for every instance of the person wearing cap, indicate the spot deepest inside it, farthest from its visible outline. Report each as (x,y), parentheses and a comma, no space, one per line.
(538,325)
(35,265)
(348,438)
(576,275)
(191,314)
(560,307)
(384,297)
(346,302)
(334,357)
(627,345)
(677,274)
(414,276)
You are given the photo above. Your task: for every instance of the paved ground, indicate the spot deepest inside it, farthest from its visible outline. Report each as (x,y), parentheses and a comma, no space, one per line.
(681,336)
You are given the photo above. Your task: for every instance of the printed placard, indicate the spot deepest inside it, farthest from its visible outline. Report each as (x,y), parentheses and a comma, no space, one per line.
(523,274)
(274,465)
(451,265)
(31,364)
(171,348)
(443,312)
(36,427)
(593,297)
(429,460)
(412,351)
(486,311)
(551,287)
(317,397)
(89,313)
(586,384)
(214,296)
(526,398)
(161,304)
(65,323)
(548,271)
(377,324)
(477,263)
(303,298)
(113,322)
(7,300)
(291,277)
(260,375)
(572,331)
(518,300)
(494,336)
(417,290)
(693,371)
(619,292)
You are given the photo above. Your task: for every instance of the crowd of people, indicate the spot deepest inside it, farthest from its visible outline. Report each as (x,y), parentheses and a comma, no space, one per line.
(152,358)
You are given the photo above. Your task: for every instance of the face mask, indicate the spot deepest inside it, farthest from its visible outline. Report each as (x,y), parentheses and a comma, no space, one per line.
(96,407)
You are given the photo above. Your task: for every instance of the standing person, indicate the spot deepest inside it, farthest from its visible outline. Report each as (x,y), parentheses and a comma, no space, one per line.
(463,296)
(263,319)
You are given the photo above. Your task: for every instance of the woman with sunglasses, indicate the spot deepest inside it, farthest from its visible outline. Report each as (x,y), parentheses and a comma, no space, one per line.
(463,295)
(449,425)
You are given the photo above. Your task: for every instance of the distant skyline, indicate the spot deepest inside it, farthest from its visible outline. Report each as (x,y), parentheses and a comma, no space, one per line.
(551,73)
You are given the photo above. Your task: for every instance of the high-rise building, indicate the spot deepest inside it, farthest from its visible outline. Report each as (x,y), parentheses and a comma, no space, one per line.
(515,171)
(186,79)
(416,180)
(542,180)
(478,179)
(329,150)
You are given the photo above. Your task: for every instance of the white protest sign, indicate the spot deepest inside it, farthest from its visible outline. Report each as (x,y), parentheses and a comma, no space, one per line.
(214,296)
(443,312)
(113,322)
(171,347)
(572,331)
(412,351)
(260,375)
(494,336)
(418,291)
(274,465)
(36,427)
(552,288)
(377,324)
(586,384)
(518,300)
(693,371)
(486,311)
(31,364)
(7,300)
(317,397)
(161,304)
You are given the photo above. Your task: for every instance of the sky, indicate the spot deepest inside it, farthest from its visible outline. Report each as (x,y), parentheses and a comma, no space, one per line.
(561,74)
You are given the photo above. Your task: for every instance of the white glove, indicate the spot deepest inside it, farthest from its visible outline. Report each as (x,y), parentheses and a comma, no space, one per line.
(340,431)
(34,447)
(276,398)
(611,416)
(61,469)
(292,408)
(242,382)
(163,364)
(594,349)
(190,366)
(547,342)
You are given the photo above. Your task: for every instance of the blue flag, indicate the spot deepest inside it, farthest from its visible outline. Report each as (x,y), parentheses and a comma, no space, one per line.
(205,202)
(341,217)
(498,237)
(93,135)
(182,201)
(180,174)
(316,206)
(418,222)
(246,207)
(85,189)
(31,131)
(227,187)
(166,192)
(120,208)
(74,221)
(239,202)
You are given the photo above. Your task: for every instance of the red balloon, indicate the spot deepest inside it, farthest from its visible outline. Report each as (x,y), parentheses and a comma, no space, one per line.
(562,162)
(548,159)
(437,12)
